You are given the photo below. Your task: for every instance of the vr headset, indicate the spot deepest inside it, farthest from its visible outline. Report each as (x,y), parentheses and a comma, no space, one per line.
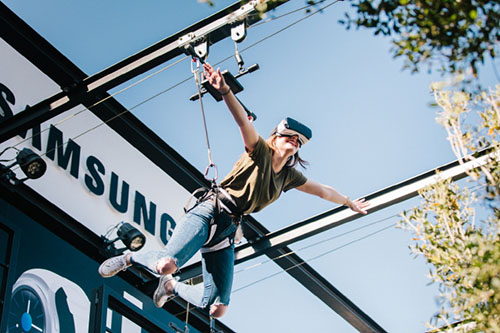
(290,127)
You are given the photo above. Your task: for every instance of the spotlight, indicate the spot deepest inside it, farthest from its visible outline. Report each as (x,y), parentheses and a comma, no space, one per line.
(132,238)
(32,165)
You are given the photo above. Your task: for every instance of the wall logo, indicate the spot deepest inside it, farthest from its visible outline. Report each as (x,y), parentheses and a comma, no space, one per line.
(98,179)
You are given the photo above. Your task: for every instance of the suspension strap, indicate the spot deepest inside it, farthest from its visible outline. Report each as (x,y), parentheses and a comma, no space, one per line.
(196,72)
(212,325)
(186,327)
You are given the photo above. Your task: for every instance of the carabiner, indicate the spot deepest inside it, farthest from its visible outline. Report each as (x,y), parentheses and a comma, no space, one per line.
(214,179)
(193,61)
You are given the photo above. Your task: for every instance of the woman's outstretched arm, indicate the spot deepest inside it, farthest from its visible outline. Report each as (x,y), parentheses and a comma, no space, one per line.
(248,132)
(329,193)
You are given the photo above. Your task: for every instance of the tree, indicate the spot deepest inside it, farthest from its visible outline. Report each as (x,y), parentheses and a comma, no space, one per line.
(456,35)
(464,254)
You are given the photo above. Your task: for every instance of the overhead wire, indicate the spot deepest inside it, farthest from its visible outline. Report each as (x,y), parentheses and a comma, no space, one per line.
(286,14)
(472,189)
(291,24)
(313,258)
(495,71)
(114,117)
(315,244)
(109,97)
(316,257)
(175,85)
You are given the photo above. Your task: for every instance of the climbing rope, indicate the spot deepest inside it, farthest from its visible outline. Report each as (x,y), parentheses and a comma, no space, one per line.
(195,69)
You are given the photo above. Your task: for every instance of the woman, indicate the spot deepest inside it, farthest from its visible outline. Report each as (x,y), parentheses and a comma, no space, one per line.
(264,171)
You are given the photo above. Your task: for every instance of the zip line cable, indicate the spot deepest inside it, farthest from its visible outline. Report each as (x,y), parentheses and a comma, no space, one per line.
(108,97)
(317,257)
(291,25)
(495,71)
(313,258)
(472,190)
(187,79)
(286,14)
(317,243)
(175,85)
(114,117)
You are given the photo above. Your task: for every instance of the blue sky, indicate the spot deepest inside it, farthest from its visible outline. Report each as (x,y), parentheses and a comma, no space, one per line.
(372,127)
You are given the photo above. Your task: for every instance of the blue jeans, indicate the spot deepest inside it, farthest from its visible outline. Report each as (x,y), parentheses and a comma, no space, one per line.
(188,237)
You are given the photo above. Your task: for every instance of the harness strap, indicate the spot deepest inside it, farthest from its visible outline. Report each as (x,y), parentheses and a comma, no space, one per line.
(224,204)
(186,207)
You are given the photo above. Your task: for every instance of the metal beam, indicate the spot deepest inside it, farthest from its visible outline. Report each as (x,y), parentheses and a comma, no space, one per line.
(274,245)
(338,216)
(214,28)
(297,268)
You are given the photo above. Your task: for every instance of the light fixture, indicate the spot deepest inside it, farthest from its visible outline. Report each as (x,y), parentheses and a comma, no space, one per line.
(31,163)
(132,238)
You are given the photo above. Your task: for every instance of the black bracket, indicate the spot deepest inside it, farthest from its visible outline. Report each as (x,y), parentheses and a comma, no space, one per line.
(233,83)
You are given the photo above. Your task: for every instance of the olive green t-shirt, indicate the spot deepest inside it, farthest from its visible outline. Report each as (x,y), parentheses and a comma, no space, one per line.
(252,182)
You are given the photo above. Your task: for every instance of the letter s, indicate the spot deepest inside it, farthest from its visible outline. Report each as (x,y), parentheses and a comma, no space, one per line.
(4,106)
(94,181)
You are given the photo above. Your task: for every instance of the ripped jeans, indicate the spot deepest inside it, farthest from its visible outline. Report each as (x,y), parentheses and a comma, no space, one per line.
(188,237)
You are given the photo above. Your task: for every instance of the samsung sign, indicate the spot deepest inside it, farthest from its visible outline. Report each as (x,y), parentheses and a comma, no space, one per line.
(95,176)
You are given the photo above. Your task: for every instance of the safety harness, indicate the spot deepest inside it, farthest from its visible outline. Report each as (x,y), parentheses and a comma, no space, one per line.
(225,224)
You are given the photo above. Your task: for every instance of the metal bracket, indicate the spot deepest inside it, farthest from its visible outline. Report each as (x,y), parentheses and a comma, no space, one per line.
(236,16)
(186,39)
(239,31)
(201,49)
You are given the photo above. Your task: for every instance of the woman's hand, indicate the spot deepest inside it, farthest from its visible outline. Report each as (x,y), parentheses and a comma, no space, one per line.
(358,205)
(215,78)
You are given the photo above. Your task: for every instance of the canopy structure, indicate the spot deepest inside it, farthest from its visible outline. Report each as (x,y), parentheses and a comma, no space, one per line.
(91,91)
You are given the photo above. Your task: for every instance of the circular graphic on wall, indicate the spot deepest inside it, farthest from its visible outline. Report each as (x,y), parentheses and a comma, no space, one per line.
(43,301)
(26,311)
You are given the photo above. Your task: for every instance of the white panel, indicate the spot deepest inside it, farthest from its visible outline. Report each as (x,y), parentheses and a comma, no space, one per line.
(132,299)
(29,86)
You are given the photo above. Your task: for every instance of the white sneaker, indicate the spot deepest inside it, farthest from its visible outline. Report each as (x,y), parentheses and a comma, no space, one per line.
(160,297)
(113,266)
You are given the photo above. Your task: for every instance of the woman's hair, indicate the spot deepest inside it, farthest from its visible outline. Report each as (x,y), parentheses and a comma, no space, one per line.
(293,160)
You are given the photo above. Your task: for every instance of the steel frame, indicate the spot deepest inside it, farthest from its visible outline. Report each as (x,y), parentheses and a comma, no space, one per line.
(216,27)
(379,200)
